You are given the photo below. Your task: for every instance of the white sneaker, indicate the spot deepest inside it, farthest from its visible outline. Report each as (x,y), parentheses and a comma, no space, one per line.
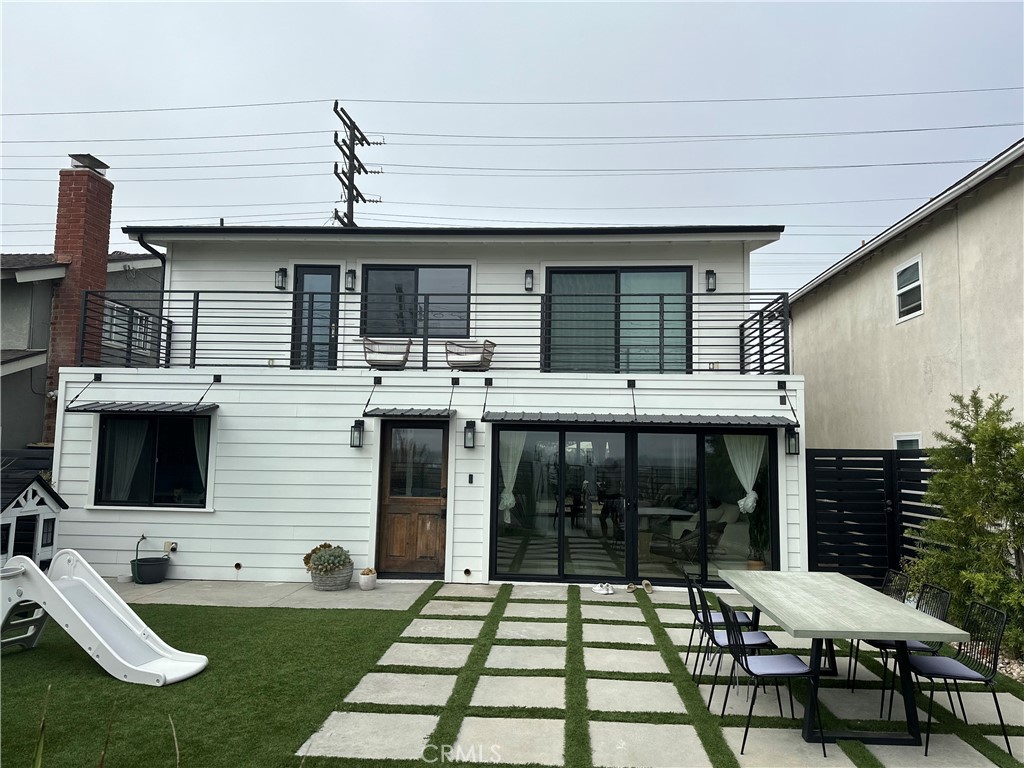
(599,589)
(608,589)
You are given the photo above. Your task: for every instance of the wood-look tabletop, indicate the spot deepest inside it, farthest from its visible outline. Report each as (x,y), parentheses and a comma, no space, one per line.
(830,605)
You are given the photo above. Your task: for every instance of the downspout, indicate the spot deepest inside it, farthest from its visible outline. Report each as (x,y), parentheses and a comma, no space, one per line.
(162,258)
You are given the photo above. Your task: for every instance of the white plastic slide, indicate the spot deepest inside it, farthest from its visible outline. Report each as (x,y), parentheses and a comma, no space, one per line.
(77,598)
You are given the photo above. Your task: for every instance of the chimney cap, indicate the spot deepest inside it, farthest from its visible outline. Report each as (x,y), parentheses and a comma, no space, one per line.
(90,162)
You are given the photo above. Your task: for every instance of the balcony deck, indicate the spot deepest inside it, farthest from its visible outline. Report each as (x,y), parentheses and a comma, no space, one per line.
(606,333)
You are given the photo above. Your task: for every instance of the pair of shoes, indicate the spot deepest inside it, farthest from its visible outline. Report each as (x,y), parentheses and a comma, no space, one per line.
(631,587)
(603,589)
(648,588)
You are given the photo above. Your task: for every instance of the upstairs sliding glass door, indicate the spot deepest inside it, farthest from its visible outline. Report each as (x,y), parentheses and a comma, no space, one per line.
(618,320)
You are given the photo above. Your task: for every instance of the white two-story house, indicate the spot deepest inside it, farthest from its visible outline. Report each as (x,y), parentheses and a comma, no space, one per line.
(584,404)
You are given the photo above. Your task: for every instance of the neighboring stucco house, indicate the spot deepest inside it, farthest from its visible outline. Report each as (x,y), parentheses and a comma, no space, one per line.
(34,338)
(933,305)
(636,414)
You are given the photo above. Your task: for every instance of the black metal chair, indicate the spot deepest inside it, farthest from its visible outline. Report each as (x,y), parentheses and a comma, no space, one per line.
(768,667)
(931,600)
(894,585)
(718,639)
(698,618)
(976,661)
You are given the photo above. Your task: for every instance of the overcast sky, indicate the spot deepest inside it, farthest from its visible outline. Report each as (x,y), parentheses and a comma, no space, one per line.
(741,59)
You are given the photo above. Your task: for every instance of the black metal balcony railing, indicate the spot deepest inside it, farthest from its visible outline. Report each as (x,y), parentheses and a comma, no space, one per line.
(666,333)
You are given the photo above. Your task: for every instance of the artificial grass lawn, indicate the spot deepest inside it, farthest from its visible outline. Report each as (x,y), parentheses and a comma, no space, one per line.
(275,675)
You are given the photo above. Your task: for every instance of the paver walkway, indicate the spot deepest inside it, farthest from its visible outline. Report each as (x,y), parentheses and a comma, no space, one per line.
(550,675)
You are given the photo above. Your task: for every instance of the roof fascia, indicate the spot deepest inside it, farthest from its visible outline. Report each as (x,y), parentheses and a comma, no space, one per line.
(949,197)
(35,274)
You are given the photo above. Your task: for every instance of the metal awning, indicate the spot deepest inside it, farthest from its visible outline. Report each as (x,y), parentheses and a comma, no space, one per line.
(186,409)
(675,420)
(410,413)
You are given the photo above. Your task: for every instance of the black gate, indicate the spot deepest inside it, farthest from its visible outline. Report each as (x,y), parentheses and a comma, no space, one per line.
(864,510)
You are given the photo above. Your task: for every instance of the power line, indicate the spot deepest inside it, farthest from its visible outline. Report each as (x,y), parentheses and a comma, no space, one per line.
(635,102)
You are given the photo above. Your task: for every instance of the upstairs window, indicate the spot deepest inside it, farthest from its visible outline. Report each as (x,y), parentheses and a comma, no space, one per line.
(908,290)
(415,301)
(153,461)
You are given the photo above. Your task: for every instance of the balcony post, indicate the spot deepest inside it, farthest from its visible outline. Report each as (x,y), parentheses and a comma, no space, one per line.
(661,333)
(129,338)
(785,333)
(760,338)
(426,328)
(195,330)
(83,324)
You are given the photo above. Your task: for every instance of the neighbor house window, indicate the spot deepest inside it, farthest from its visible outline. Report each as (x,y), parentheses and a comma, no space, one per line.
(415,301)
(906,441)
(153,461)
(908,290)
(125,326)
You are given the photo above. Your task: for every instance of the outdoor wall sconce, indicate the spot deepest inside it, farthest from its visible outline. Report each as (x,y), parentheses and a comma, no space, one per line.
(792,442)
(355,437)
(711,279)
(528,280)
(350,280)
(281,279)
(469,436)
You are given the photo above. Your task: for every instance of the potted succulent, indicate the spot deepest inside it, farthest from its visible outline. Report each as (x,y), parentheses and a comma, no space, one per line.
(367,579)
(329,566)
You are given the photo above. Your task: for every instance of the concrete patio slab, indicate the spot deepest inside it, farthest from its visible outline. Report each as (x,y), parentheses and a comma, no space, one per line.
(680,636)
(437,655)
(510,740)
(456,608)
(486,591)
(399,688)
(627,634)
(444,628)
(536,610)
(612,612)
(620,595)
(1016,743)
(767,704)
(783,748)
(675,616)
(506,691)
(944,751)
(862,704)
(526,657)
(633,696)
(613,660)
(531,630)
(981,709)
(624,745)
(670,596)
(540,592)
(371,735)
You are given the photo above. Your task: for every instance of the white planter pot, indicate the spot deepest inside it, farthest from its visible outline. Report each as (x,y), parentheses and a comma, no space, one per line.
(367,582)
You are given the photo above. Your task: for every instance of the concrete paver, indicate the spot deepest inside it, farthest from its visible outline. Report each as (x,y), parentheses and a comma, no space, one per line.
(526,657)
(675,616)
(1016,743)
(489,591)
(614,660)
(620,595)
(766,705)
(464,628)
(456,608)
(633,696)
(622,745)
(638,634)
(399,688)
(944,751)
(612,612)
(510,740)
(440,655)
(783,748)
(536,610)
(508,691)
(862,704)
(360,734)
(540,592)
(531,630)
(981,709)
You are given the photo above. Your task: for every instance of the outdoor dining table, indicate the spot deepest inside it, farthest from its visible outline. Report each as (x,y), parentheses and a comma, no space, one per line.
(824,606)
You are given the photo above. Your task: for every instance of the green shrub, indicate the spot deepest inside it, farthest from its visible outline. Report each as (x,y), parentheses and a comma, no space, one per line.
(976,548)
(327,558)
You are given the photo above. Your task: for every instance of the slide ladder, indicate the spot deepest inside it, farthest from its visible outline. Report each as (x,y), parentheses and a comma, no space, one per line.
(77,598)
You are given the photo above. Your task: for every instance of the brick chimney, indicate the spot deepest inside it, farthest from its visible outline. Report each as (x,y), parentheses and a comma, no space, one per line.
(82,242)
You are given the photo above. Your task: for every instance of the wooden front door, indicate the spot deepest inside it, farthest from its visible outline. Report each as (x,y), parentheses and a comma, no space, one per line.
(414,490)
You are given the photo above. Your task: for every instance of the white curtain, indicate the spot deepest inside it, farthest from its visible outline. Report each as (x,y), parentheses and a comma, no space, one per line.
(745,453)
(510,450)
(125,443)
(201,438)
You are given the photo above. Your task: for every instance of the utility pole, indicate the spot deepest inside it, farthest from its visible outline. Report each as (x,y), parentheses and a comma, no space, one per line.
(353,137)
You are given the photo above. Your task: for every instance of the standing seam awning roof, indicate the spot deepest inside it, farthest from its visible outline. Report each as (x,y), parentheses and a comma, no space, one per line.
(411,413)
(676,420)
(168,408)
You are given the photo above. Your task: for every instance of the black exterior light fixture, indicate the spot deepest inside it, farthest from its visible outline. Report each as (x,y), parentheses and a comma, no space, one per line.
(792,441)
(711,281)
(350,280)
(281,279)
(469,436)
(355,437)
(528,280)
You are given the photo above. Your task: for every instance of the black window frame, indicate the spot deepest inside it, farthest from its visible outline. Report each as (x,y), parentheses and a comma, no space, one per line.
(415,269)
(546,358)
(154,419)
